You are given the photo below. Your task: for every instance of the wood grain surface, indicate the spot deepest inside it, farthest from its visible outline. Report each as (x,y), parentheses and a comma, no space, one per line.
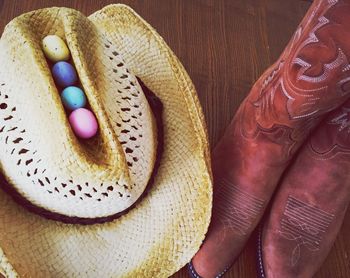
(224,45)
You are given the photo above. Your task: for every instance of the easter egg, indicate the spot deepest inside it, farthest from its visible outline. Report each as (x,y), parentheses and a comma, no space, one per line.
(73,98)
(83,123)
(55,49)
(64,74)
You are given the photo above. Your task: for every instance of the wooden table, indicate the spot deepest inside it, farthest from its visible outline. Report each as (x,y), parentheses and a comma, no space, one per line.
(224,45)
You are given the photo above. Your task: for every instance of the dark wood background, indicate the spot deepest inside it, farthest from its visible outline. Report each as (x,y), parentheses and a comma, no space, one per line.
(224,45)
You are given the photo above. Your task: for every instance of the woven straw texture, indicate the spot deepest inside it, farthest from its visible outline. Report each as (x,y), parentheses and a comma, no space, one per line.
(166,228)
(87,179)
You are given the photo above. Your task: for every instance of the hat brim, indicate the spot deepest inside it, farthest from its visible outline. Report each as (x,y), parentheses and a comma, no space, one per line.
(163,232)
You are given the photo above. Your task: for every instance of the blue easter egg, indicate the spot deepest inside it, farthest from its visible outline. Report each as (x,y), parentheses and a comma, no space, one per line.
(73,98)
(64,74)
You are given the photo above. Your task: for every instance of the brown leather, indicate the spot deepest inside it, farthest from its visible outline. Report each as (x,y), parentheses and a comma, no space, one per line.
(311,78)
(311,202)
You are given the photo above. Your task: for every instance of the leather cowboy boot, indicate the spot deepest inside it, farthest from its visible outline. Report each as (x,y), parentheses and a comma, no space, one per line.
(310,205)
(311,78)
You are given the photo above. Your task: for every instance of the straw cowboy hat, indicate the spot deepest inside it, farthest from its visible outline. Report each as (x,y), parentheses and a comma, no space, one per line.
(135,200)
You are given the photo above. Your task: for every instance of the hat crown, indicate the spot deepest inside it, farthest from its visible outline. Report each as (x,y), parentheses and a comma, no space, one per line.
(40,155)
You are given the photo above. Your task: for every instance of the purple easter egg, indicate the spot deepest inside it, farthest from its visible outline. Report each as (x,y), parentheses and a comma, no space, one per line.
(64,74)
(83,123)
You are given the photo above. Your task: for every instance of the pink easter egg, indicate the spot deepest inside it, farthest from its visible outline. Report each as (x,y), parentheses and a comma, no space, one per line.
(83,123)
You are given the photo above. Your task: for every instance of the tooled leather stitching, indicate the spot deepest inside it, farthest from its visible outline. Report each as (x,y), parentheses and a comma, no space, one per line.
(236,209)
(342,122)
(302,106)
(305,225)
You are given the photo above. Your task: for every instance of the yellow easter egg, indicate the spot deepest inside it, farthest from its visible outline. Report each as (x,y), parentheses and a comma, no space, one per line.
(55,49)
